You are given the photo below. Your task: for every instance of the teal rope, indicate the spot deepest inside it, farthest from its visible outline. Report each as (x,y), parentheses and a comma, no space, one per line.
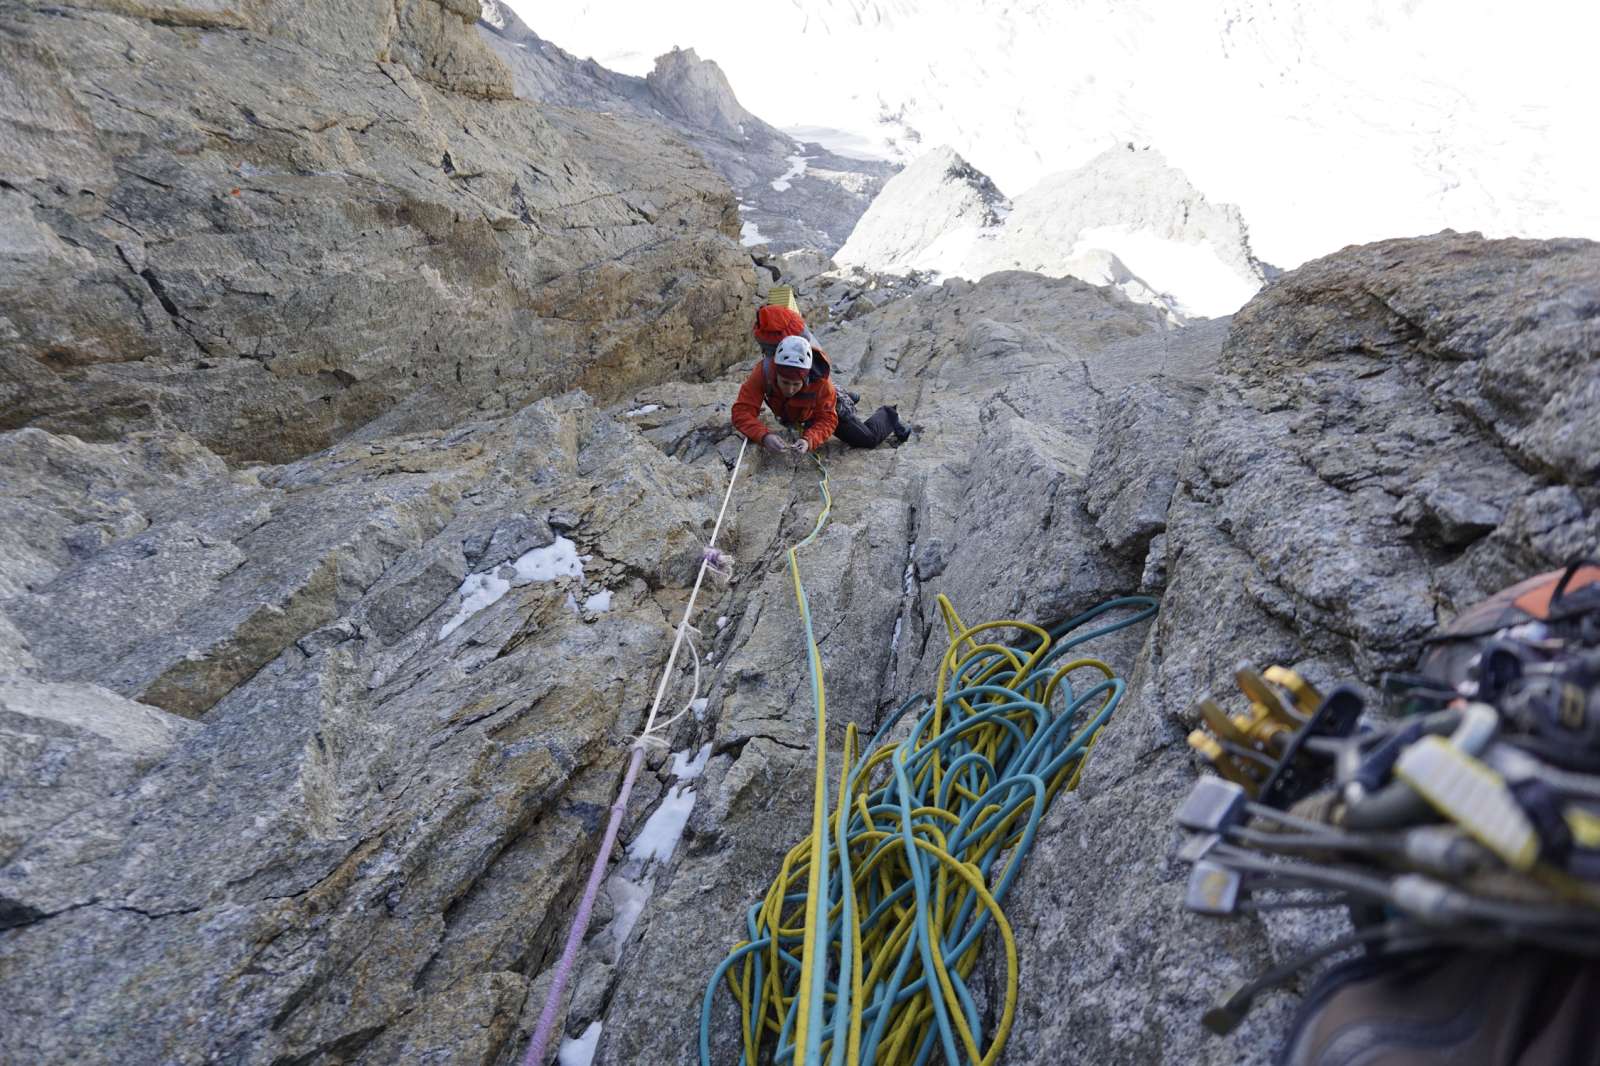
(1039,744)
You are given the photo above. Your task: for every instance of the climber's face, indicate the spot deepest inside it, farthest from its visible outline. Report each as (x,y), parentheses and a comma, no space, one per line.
(788,386)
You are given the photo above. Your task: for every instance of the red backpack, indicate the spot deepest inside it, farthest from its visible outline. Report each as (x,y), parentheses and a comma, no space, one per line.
(775,323)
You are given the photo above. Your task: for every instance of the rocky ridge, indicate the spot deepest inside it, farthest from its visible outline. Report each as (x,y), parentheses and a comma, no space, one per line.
(387,866)
(792,194)
(306,747)
(1297,484)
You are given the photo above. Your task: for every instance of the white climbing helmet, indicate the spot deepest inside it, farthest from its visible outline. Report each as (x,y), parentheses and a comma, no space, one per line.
(793,352)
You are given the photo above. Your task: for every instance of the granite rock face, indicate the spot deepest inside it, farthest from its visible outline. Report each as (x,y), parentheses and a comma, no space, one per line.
(1353,478)
(64,745)
(985,505)
(697,91)
(266,225)
(1065,450)
(366,845)
(395,777)
(308,728)
(1144,431)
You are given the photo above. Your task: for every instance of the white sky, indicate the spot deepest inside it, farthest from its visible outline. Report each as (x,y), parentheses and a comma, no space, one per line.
(1329,122)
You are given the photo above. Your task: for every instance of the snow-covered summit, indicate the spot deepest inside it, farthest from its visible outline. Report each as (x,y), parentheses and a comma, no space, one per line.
(1126,218)
(926,217)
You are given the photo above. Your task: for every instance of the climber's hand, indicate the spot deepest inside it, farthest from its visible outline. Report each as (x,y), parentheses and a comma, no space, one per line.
(774,444)
(802,446)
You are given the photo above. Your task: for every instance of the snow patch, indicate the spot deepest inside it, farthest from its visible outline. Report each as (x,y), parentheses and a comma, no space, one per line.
(541,564)
(845,143)
(579,1050)
(1193,276)
(477,592)
(548,563)
(848,180)
(946,255)
(633,882)
(698,706)
(648,408)
(664,828)
(750,234)
(722,620)
(600,601)
(628,895)
(797,167)
(687,768)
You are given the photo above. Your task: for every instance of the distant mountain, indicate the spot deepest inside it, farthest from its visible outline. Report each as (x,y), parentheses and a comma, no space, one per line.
(1125,219)
(1326,123)
(792,193)
(926,218)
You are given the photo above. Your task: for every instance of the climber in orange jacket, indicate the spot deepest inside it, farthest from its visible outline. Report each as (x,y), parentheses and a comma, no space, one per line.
(795,382)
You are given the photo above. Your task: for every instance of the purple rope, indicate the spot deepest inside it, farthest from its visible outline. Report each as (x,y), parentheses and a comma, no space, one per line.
(580,921)
(718,562)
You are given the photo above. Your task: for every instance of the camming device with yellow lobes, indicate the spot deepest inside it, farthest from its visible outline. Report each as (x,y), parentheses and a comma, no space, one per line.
(1464,823)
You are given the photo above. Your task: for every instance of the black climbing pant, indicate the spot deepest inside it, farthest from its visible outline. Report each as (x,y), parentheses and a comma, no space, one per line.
(868,434)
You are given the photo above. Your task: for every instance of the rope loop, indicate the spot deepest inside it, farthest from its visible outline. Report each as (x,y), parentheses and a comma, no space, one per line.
(917,854)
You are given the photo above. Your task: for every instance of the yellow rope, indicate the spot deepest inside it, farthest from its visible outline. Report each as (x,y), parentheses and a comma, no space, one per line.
(809,1014)
(932,832)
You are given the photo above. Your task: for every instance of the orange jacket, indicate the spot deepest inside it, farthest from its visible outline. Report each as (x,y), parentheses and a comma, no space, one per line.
(813,406)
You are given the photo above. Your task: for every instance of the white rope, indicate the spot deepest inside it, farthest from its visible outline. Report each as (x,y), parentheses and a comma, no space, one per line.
(545,1028)
(688,610)
(694,689)
(552,999)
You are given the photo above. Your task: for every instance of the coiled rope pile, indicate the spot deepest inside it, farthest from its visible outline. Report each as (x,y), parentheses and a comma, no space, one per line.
(864,945)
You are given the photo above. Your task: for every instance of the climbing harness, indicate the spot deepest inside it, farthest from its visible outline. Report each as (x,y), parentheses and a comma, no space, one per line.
(1469,824)
(862,949)
(712,560)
